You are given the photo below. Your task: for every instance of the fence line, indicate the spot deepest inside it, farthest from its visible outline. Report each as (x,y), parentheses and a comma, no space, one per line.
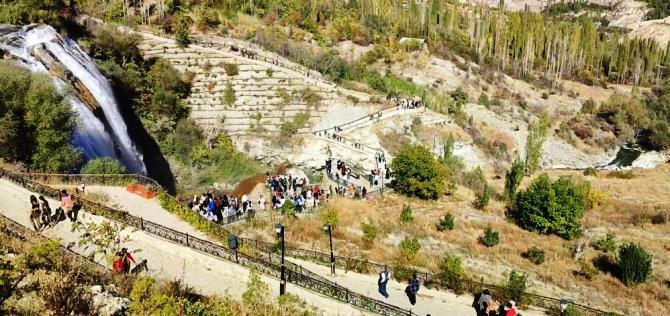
(261,259)
(364,266)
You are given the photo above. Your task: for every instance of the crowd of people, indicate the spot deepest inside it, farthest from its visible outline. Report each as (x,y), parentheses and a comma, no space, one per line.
(305,197)
(485,305)
(220,207)
(42,217)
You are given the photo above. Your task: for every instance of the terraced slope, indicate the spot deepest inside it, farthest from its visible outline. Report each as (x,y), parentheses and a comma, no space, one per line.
(268,91)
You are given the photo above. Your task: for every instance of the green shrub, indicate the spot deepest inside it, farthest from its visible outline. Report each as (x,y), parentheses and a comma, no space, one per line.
(490,238)
(513,179)
(482,199)
(606,244)
(409,248)
(587,270)
(446,223)
(589,107)
(451,273)
(551,208)
(231,69)
(418,173)
(103,165)
(229,94)
(515,287)
(484,100)
(535,255)
(590,172)
(406,214)
(634,264)
(269,72)
(181,37)
(288,209)
(369,232)
(330,217)
(537,134)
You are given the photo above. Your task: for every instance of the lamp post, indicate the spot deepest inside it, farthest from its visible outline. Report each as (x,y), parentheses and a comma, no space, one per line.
(279,229)
(329,230)
(564,304)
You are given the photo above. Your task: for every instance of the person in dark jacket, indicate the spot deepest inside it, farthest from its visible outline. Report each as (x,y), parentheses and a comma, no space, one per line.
(412,288)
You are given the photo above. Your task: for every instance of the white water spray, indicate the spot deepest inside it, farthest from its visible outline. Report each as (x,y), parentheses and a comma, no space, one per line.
(91,135)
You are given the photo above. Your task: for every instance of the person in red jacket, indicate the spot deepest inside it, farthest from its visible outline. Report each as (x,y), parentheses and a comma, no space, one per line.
(510,309)
(126,258)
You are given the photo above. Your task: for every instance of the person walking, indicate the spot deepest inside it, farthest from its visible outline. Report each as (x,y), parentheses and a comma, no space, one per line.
(46,211)
(484,302)
(35,213)
(126,258)
(510,309)
(384,278)
(66,202)
(412,288)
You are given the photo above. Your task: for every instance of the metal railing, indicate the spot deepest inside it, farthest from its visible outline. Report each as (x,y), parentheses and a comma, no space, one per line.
(265,260)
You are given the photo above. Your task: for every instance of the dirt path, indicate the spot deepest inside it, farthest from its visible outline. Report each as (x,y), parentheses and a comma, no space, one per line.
(208,275)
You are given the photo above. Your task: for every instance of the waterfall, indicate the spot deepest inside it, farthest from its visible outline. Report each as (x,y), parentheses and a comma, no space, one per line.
(41,49)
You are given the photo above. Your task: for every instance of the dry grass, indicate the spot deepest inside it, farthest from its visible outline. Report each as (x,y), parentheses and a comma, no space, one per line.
(645,193)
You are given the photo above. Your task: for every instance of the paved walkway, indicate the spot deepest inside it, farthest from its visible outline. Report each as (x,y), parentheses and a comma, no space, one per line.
(206,274)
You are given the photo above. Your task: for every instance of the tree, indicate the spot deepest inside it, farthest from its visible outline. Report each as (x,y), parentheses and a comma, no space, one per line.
(406,214)
(409,248)
(551,208)
(187,136)
(537,133)
(229,94)
(103,165)
(513,179)
(451,273)
(634,264)
(418,173)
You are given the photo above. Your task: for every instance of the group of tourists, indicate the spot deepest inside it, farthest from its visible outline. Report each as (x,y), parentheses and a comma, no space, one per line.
(218,208)
(411,289)
(305,197)
(42,217)
(405,103)
(485,305)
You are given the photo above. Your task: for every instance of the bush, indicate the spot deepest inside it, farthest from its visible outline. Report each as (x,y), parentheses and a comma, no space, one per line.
(103,165)
(229,94)
(590,172)
(288,209)
(589,107)
(490,238)
(547,207)
(515,287)
(181,37)
(484,100)
(606,244)
(330,217)
(418,173)
(409,248)
(660,218)
(482,200)
(406,214)
(535,255)
(451,273)
(231,69)
(369,232)
(634,264)
(446,223)
(513,179)
(587,270)
(641,220)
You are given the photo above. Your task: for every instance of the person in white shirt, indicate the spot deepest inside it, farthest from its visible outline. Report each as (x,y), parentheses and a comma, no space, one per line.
(384,278)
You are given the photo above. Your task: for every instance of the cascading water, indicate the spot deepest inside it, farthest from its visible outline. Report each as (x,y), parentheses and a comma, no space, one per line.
(41,49)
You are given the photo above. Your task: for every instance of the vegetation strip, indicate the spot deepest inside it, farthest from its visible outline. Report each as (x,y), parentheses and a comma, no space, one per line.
(247,259)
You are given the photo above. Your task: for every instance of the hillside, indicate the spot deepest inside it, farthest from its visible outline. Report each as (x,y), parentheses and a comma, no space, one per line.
(522,149)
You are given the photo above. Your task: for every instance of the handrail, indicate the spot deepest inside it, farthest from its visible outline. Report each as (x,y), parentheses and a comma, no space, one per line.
(302,277)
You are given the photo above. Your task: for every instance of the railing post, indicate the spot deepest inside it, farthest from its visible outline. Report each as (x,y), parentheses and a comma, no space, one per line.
(141,223)
(346,297)
(187,243)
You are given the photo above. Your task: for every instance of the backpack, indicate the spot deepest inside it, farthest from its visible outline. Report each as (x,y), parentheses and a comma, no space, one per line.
(118,265)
